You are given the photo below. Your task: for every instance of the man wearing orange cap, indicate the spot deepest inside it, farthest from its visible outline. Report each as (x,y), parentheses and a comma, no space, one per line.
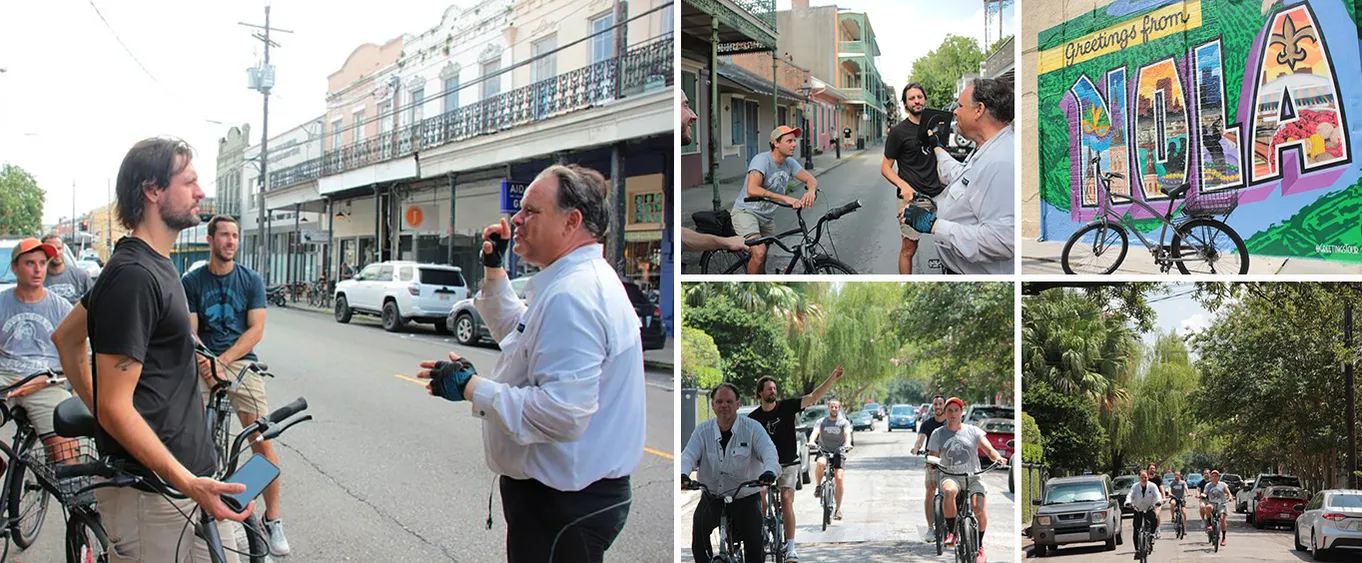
(957,445)
(29,314)
(768,176)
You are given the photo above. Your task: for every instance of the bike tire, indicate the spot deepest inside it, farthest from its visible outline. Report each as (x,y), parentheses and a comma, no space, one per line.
(967,541)
(939,525)
(86,541)
(723,262)
(826,265)
(1212,224)
(827,505)
(1098,230)
(258,548)
(25,521)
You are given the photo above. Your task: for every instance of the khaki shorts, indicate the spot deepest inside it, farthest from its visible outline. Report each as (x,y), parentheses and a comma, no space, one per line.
(789,477)
(248,397)
(976,485)
(146,527)
(747,224)
(39,404)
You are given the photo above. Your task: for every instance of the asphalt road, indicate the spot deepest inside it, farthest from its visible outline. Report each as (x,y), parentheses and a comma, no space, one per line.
(385,472)
(1243,543)
(882,514)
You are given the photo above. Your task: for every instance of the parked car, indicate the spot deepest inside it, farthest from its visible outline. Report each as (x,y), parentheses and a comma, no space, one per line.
(902,417)
(1329,523)
(1247,499)
(90,266)
(401,292)
(862,420)
(1079,509)
(1194,480)
(1235,482)
(468,328)
(1000,432)
(1120,489)
(875,410)
(1278,506)
(924,411)
(976,413)
(7,278)
(801,444)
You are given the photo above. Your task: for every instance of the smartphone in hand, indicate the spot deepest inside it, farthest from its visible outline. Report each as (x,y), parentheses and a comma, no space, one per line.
(257,473)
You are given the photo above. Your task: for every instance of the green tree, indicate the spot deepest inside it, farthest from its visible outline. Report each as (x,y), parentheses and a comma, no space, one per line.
(1161,415)
(938,70)
(1033,442)
(750,345)
(1073,437)
(964,332)
(21,202)
(996,45)
(700,362)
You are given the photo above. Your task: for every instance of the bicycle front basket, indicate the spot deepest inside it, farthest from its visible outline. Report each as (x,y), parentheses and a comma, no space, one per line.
(43,461)
(1218,203)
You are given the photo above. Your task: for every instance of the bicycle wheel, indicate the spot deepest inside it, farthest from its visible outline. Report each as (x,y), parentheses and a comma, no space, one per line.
(86,541)
(27,498)
(967,540)
(938,524)
(827,504)
(1102,255)
(723,262)
(1205,242)
(826,265)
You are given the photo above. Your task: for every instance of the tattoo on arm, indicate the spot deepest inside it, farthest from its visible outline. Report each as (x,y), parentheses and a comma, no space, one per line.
(124,364)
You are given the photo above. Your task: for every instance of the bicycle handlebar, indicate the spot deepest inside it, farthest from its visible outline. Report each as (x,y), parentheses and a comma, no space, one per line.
(698,486)
(936,461)
(288,410)
(53,375)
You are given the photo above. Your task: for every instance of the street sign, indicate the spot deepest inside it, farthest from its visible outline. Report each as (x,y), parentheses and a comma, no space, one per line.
(511,192)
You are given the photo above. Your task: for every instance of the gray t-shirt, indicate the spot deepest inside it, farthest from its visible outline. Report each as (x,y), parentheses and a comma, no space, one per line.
(774,178)
(958,449)
(26,333)
(1217,494)
(70,285)
(1177,489)
(833,434)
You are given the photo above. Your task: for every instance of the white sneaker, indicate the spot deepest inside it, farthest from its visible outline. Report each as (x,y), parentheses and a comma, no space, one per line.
(278,543)
(790,554)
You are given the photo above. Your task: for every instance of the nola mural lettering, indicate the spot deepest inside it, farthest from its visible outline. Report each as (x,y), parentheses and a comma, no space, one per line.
(1261,99)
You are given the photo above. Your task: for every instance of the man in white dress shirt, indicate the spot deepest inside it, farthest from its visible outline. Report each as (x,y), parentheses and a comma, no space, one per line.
(974,219)
(564,459)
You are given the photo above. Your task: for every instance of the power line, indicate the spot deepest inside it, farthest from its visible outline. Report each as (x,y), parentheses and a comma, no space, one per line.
(124,45)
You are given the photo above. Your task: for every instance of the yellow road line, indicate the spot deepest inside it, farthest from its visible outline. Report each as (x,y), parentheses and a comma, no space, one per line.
(657,453)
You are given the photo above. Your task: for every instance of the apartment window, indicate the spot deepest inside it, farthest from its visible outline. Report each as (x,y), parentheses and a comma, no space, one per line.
(547,66)
(451,94)
(359,126)
(603,45)
(336,134)
(418,96)
(739,130)
(784,119)
(491,85)
(689,85)
(668,27)
(385,116)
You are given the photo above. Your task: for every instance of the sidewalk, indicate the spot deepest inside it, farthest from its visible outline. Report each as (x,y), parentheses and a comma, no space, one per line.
(1044,258)
(701,197)
(661,359)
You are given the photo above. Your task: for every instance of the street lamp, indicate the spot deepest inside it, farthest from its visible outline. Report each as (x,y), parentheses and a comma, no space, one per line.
(807,89)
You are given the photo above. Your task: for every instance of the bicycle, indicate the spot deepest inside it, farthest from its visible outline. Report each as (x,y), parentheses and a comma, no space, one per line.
(966,525)
(728,550)
(25,493)
(1213,531)
(319,295)
(86,538)
(774,524)
(827,492)
(1144,542)
(808,253)
(1196,234)
(1179,518)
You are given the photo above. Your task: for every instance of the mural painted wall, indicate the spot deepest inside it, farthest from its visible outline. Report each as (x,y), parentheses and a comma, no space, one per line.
(1259,99)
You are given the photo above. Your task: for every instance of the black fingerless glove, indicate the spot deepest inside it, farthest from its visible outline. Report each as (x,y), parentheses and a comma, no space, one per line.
(495,258)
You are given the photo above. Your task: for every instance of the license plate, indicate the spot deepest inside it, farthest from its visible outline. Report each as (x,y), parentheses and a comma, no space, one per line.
(1283,516)
(444,297)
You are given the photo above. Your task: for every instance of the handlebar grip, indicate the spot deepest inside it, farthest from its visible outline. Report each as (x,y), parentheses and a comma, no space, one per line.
(754,199)
(843,210)
(288,410)
(94,469)
(274,432)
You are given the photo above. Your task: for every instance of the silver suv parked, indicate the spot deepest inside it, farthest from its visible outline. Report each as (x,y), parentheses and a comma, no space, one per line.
(1075,510)
(402,292)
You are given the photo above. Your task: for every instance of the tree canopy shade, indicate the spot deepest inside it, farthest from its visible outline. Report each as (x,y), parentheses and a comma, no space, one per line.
(938,70)
(21,203)
(700,364)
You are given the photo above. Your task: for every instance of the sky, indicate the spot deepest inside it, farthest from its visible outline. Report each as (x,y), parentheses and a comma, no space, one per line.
(75,100)
(908,29)
(1178,311)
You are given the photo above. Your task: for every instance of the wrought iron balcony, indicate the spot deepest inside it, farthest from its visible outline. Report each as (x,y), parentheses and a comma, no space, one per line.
(764,10)
(851,47)
(641,69)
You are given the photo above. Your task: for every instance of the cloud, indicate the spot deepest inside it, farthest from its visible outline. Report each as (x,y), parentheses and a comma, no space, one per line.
(1194,324)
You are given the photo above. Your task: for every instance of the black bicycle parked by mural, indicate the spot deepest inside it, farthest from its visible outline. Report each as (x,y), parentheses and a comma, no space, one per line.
(1201,244)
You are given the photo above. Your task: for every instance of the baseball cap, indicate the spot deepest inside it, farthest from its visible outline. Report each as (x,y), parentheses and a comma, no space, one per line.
(1215,472)
(29,245)
(956,400)
(783,130)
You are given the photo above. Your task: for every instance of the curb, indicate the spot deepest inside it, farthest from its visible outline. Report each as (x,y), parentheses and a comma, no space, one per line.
(663,366)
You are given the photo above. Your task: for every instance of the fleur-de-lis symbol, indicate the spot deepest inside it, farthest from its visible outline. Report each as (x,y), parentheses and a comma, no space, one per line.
(1290,39)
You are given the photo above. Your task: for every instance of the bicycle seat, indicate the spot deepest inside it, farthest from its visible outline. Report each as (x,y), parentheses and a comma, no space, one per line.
(1176,192)
(72,420)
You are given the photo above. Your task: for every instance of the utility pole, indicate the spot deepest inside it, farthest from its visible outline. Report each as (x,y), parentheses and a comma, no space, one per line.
(262,79)
(1349,386)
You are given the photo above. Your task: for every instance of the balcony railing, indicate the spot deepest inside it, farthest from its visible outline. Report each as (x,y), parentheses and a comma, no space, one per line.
(851,47)
(642,69)
(764,10)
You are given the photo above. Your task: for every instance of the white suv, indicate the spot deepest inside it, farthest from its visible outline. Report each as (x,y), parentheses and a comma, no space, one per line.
(403,291)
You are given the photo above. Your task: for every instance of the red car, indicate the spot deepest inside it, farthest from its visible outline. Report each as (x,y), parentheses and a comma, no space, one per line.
(1000,431)
(1278,506)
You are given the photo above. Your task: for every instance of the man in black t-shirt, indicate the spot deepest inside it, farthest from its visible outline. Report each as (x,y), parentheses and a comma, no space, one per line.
(924,436)
(144,385)
(916,177)
(1157,479)
(778,417)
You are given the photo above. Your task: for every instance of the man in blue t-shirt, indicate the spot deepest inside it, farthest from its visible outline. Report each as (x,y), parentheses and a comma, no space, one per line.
(227,311)
(768,176)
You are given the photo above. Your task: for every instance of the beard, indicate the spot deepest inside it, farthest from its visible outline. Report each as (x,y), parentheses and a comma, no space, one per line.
(686,135)
(179,221)
(224,254)
(766,399)
(915,112)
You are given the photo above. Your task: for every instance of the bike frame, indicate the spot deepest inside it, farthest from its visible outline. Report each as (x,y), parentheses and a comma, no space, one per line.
(776,519)
(1106,215)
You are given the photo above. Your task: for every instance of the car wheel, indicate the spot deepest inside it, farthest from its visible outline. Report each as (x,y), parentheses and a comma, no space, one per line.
(1296,537)
(464,331)
(1112,542)
(1315,551)
(392,318)
(1250,517)
(343,312)
(1039,550)
(1258,523)
(1120,537)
